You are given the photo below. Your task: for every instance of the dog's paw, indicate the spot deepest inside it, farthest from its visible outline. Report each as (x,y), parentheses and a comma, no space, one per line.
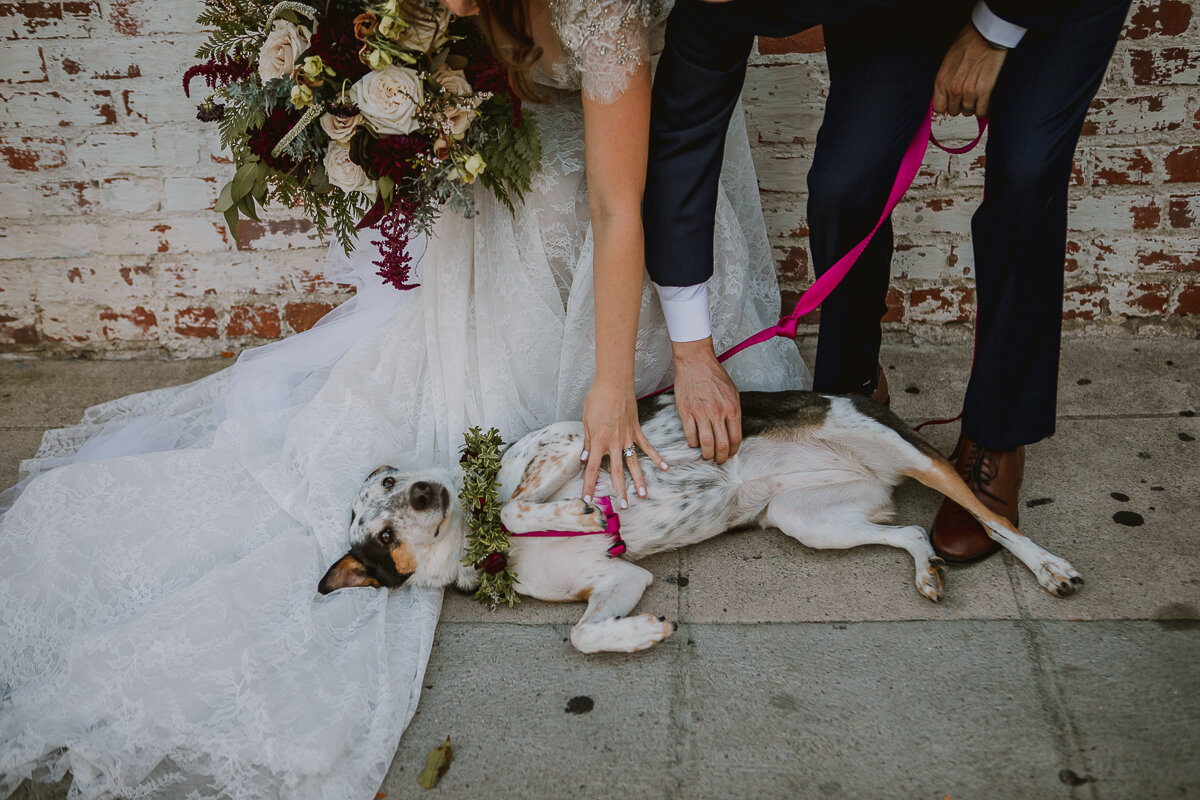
(591,518)
(931,581)
(621,634)
(1057,576)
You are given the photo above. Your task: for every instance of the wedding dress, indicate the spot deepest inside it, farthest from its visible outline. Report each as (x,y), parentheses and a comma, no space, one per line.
(160,630)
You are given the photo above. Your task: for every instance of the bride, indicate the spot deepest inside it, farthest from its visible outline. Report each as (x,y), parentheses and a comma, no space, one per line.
(160,630)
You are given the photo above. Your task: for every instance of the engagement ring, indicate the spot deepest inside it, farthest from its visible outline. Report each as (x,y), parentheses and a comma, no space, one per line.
(629,452)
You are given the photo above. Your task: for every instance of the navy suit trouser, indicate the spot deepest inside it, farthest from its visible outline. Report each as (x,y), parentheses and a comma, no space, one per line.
(878,93)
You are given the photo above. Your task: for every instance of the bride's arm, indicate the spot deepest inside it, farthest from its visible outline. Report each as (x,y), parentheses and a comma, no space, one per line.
(616,137)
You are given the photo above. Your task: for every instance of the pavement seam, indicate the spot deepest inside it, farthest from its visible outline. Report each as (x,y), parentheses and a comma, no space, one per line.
(1067,739)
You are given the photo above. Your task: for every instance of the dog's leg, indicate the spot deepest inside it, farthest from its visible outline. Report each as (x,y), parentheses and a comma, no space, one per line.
(604,627)
(830,526)
(551,460)
(1054,574)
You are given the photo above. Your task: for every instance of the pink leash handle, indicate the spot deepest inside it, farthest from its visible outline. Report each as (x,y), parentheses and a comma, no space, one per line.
(910,164)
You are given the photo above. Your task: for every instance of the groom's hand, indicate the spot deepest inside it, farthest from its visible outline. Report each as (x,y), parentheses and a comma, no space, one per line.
(967,76)
(707,401)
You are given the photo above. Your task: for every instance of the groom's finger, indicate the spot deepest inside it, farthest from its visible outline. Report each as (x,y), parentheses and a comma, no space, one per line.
(708,442)
(690,431)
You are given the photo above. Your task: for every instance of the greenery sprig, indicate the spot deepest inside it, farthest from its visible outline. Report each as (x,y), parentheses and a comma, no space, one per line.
(487,539)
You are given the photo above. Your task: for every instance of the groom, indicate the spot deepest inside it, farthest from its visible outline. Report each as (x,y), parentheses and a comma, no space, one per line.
(1033,66)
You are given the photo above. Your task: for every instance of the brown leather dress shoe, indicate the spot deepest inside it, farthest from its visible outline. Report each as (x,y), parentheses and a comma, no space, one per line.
(995,477)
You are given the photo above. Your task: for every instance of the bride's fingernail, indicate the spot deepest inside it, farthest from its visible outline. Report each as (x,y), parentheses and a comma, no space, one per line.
(624,503)
(583,456)
(587,498)
(664,465)
(642,491)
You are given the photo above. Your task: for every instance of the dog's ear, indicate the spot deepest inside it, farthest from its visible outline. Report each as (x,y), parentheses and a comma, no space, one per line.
(346,573)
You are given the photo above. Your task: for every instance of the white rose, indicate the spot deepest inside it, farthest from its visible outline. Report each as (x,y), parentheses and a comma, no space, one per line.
(389,99)
(340,129)
(344,173)
(284,44)
(454,81)
(425,32)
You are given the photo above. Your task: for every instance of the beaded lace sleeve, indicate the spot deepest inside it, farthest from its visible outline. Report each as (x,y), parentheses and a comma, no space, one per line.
(605,41)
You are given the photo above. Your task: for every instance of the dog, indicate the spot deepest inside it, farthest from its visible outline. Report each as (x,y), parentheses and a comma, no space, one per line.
(821,468)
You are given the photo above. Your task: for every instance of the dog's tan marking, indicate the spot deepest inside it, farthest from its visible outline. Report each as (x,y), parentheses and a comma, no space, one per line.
(405,561)
(583,595)
(348,572)
(377,471)
(549,461)
(942,477)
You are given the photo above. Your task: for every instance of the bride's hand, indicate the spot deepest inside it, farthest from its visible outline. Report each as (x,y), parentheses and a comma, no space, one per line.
(610,424)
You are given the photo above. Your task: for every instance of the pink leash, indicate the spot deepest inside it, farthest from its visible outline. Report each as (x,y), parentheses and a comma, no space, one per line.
(816,294)
(612,529)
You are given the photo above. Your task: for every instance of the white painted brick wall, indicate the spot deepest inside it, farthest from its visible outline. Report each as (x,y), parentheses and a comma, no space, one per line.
(108,245)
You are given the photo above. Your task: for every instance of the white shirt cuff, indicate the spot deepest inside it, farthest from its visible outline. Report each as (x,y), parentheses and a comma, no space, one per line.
(686,310)
(995,29)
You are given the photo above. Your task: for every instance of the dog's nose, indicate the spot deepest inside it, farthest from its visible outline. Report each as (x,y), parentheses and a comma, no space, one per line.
(422,495)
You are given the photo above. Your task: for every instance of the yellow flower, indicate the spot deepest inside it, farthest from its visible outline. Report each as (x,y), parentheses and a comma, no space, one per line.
(392,28)
(378,59)
(474,166)
(302,96)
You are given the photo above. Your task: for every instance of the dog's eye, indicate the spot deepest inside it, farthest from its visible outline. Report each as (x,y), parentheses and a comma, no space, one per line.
(389,482)
(385,536)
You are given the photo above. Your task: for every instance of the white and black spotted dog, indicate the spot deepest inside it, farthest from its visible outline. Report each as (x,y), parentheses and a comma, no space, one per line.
(820,468)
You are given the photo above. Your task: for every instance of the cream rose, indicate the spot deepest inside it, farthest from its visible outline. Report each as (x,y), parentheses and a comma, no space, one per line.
(454,81)
(425,33)
(389,99)
(340,129)
(279,52)
(344,173)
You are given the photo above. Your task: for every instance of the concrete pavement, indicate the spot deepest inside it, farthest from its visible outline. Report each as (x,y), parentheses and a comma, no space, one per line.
(808,674)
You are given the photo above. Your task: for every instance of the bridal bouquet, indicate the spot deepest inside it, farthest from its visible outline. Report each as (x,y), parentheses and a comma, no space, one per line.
(366,114)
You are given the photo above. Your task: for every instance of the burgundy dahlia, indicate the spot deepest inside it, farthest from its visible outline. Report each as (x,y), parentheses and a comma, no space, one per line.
(393,156)
(493,563)
(263,140)
(334,41)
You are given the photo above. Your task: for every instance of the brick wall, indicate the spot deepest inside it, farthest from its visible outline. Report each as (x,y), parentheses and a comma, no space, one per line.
(108,246)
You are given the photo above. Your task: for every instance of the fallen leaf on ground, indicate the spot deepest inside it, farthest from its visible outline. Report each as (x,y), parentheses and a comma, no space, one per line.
(436,764)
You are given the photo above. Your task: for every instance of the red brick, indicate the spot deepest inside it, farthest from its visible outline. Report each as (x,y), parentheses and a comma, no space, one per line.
(1146,217)
(1189,300)
(1183,165)
(33,153)
(809,41)
(302,316)
(1143,300)
(794,264)
(1184,210)
(1121,166)
(1169,65)
(895,306)
(144,322)
(941,304)
(17,334)
(196,323)
(1082,302)
(260,321)
(1159,18)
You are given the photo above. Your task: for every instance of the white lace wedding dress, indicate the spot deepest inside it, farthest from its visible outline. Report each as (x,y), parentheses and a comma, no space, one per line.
(160,631)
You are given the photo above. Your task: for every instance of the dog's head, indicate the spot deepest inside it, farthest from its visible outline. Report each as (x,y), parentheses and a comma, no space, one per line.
(404,527)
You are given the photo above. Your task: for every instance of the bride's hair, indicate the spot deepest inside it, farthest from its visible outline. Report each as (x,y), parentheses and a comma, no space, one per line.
(508,26)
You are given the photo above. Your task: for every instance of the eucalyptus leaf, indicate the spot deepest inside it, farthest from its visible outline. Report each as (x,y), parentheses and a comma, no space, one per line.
(263,170)
(225,201)
(246,206)
(231,221)
(243,180)
(259,192)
